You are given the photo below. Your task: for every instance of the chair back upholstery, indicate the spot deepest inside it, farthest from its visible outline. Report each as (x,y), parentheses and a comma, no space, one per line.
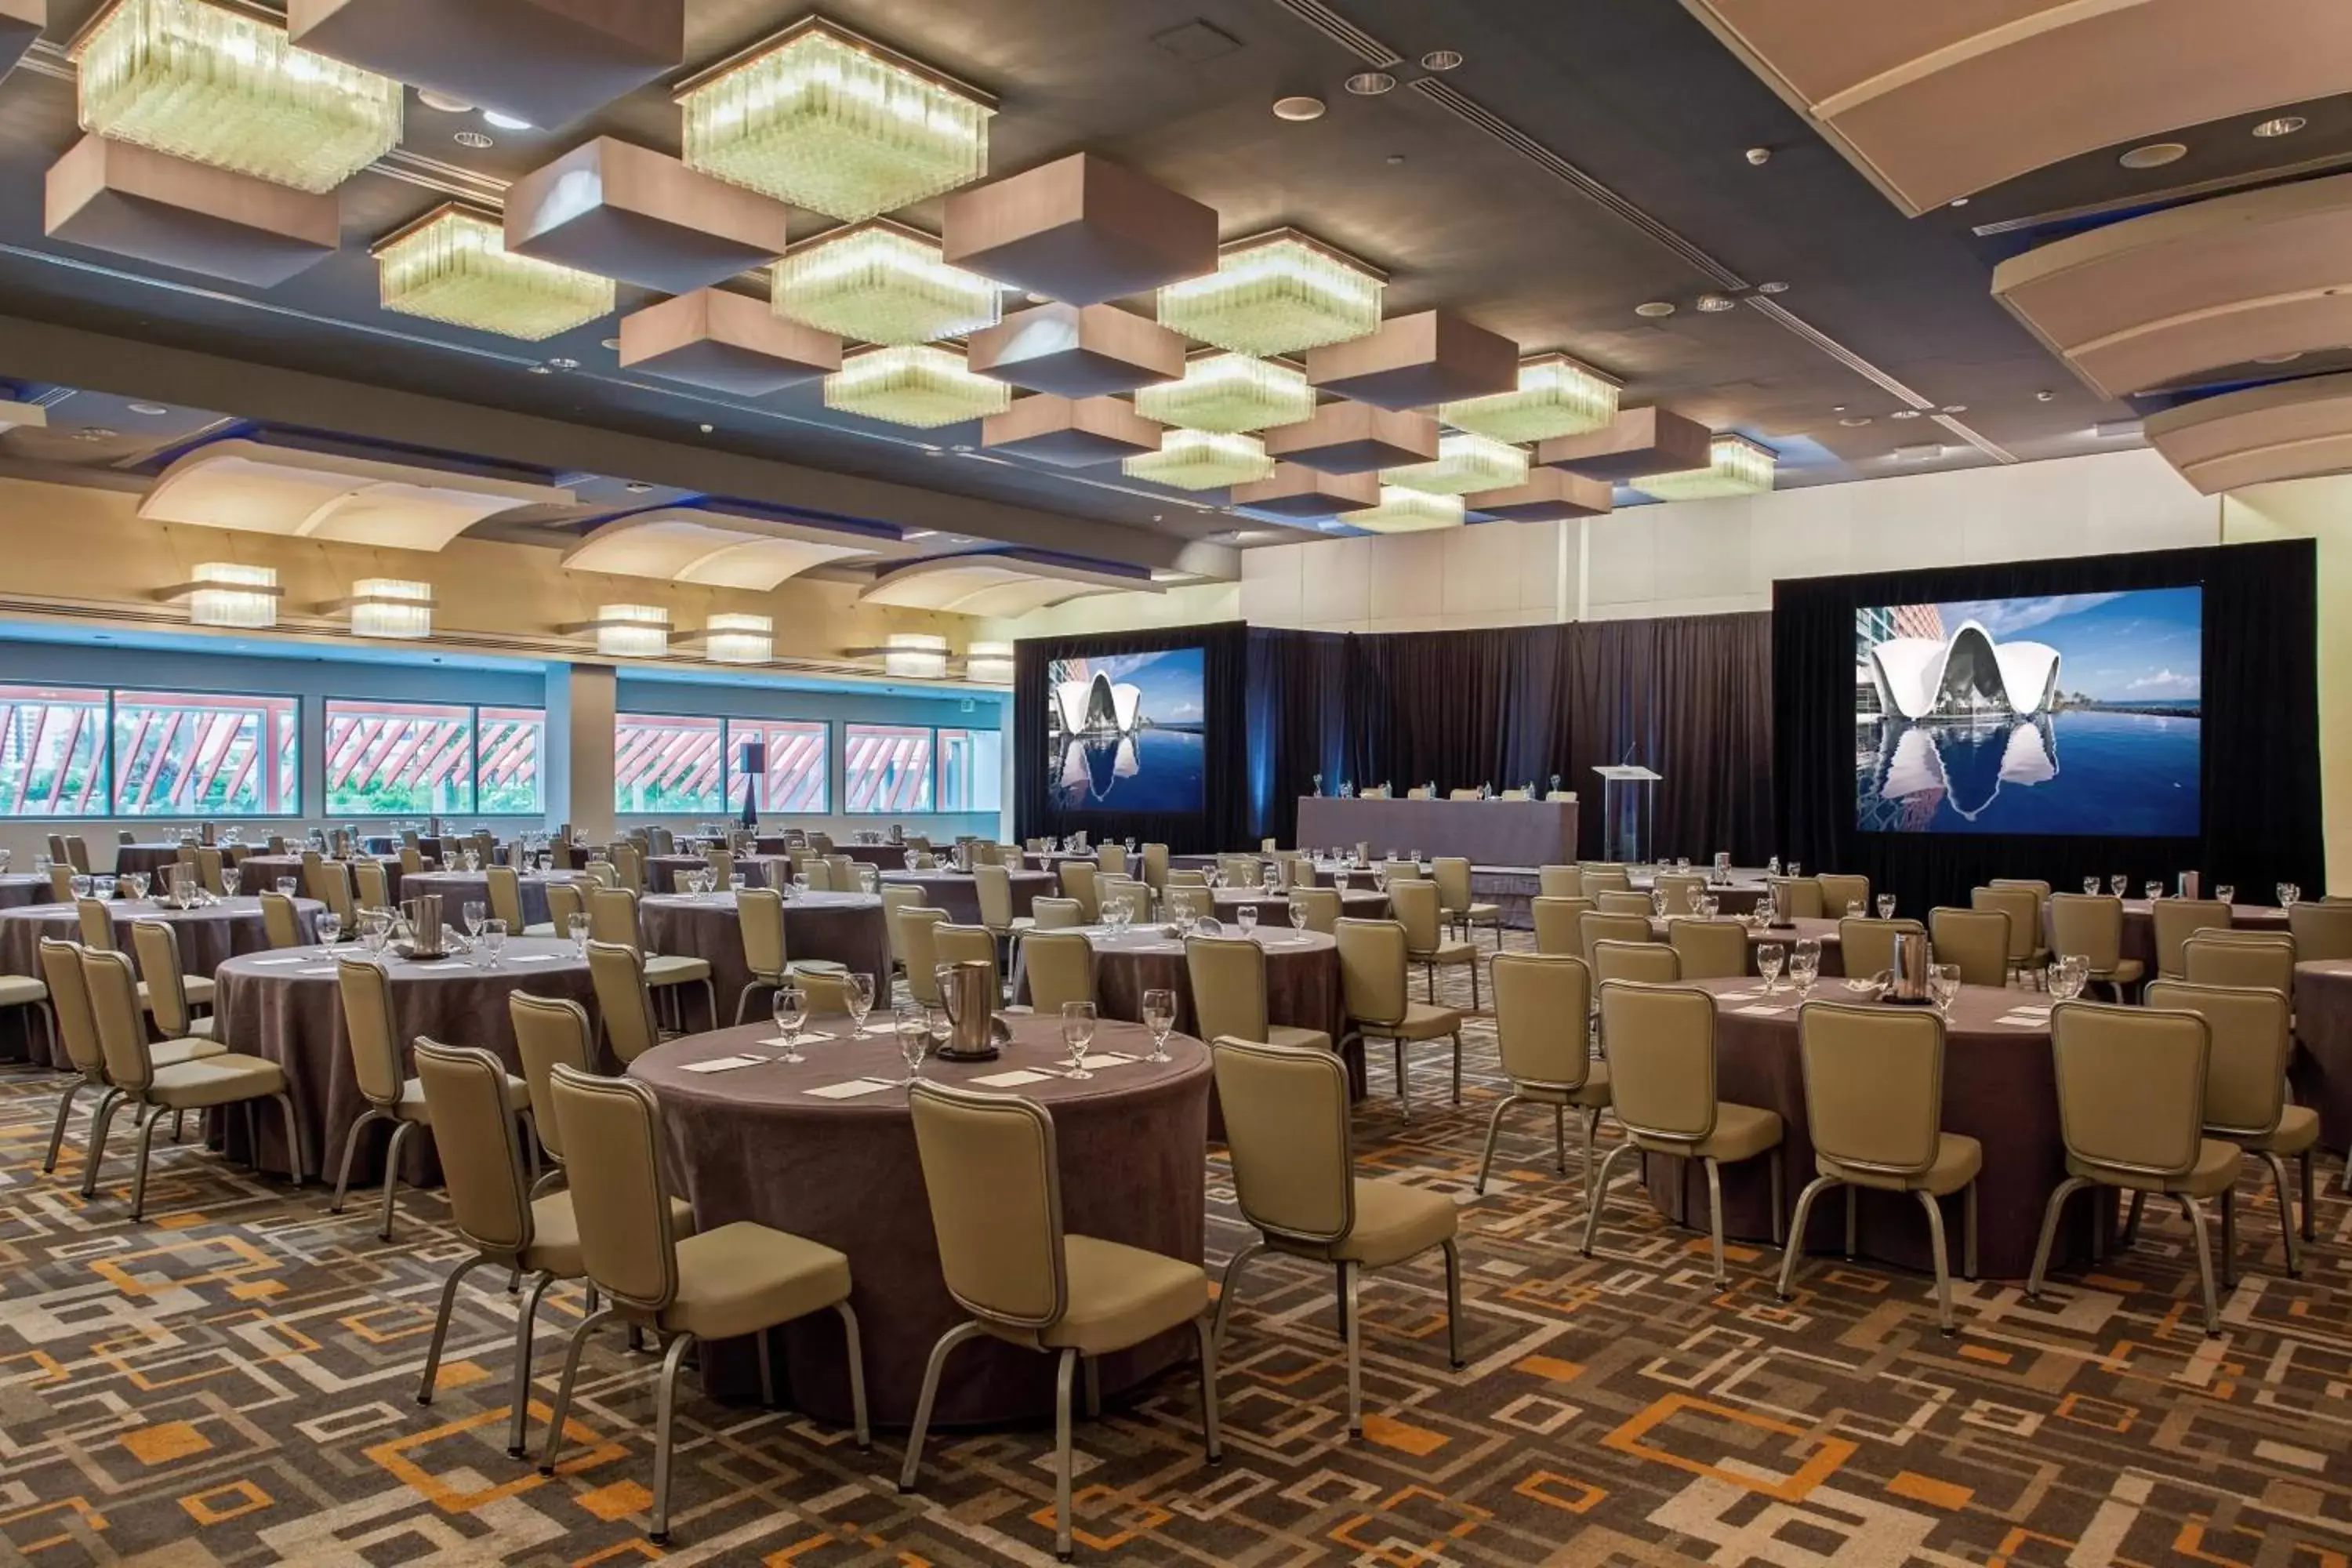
(280,925)
(1228,977)
(2023,908)
(1372,969)
(1709,950)
(2089,925)
(412,859)
(374,888)
(565,898)
(846,875)
(1286,1111)
(2251,1034)
(1240,870)
(896,899)
(2176,920)
(1060,968)
(1796,897)
(1462,795)
(158,951)
(603,874)
(819,872)
(990,1165)
(618,973)
(1840,892)
(1415,904)
(367,1027)
(330,882)
(628,862)
(994,886)
(96,918)
(1155,866)
(1596,926)
(1559,882)
(1975,940)
(952,943)
(549,1031)
(1623,902)
(1111,889)
(1555,919)
(1660,1041)
(1395,870)
(722,864)
(506,897)
(481,1155)
(1452,875)
(2323,931)
(61,875)
(660,840)
(1186,877)
(70,1000)
(1323,906)
(1055,914)
(620,1198)
(613,917)
(1543,1010)
(2131,1083)
(1682,891)
(1873,1084)
(1079,883)
(1868,945)
(920,953)
(209,870)
(1600,876)
(121,1026)
(2263,959)
(759,916)
(1646,963)
(1111,859)
(77,853)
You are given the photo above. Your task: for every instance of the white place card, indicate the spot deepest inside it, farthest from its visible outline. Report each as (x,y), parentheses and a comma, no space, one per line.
(1108,1059)
(442,963)
(1015,1078)
(2022,1021)
(805,1039)
(1739,995)
(851,1090)
(723,1064)
(2030,1012)
(266,963)
(314,973)
(1761,1012)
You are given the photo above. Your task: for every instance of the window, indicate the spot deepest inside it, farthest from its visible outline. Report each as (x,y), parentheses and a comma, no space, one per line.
(669,765)
(197,753)
(52,751)
(800,755)
(510,764)
(395,759)
(971,770)
(886,768)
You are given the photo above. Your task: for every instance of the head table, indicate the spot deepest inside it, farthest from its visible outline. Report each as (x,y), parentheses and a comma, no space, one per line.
(782,1145)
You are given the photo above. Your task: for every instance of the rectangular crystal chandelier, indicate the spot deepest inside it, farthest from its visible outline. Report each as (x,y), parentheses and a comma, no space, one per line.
(916,656)
(631,631)
(1275,294)
(740,639)
(878,283)
(989,662)
(1229,392)
(391,608)
(823,118)
(914,384)
(1556,397)
(1201,460)
(1407,511)
(219,86)
(1465,463)
(454,265)
(223,594)
(1737,467)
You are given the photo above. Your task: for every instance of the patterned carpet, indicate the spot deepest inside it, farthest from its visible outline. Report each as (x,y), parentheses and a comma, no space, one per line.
(231,1382)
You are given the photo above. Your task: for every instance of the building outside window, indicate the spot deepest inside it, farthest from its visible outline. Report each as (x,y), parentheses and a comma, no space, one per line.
(185,753)
(669,765)
(886,768)
(399,759)
(800,760)
(971,770)
(52,751)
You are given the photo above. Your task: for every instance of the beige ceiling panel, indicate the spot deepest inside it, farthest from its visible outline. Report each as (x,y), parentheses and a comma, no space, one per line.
(259,488)
(974,590)
(712,550)
(2290,430)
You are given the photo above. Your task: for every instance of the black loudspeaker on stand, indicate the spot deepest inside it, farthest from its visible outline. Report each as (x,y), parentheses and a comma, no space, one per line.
(754,769)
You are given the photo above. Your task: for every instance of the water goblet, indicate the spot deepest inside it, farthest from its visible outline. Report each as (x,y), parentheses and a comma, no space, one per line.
(288,885)
(230,877)
(1246,918)
(1795,870)
(1706,906)
(1769,957)
(800,883)
(475,913)
(1886,905)
(861,999)
(1159,1018)
(492,942)
(2155,891)
(1805,964)
(1854,910)
(914,1038)
(41,865)
(576,927)
(2226,893)
(2118,885)
(1658,902)
(2090,887)
(329,927)
(790,1008)
(2289,895)
(1944,985)
(1077,1034)
(1298,915)
(735,882)
(2074,975)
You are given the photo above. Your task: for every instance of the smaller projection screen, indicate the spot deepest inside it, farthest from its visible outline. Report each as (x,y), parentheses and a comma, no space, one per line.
(1127,733)
(2069,713)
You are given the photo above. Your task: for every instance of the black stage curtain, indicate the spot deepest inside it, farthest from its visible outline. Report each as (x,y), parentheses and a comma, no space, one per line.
(1223,818)
(2261,728)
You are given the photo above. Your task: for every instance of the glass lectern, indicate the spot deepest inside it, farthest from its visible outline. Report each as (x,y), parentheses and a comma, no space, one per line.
(1625,812)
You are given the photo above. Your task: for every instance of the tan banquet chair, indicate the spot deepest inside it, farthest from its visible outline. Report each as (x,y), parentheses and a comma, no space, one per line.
(75,1029)
(506,902)
(952,943)
(1875,1106)
(897,897)
(1372,980)
(2091,927)
(1155,867)
(2023,908)
(2323,931)
(1229,995)
(1555,921)
(2245,1100)
(1681,892)
(374,888)
(613,917)
(1709,950)
(1867,946)
(2178,920)
(995,1179)
(1616,901)
(1542,1004)
(1797,897)
(1078,882)
(1416,905)
(920,953)
(1462,911)
(550,1030)
(1322,905)
(624,1003)
(1054,914)
(1840,892)
(1559,882)
(2262,959)
(1644,963)
(759,917)
(1594,927)
(1974,941)
(1286,1126)
(1600,877)
(1060,966)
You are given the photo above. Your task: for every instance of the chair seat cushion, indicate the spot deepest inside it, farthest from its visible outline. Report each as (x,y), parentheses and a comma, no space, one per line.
(1957,1161)
(1448,953)
(206,1027)
(2297,1131)
(816,967)
(743,1277)
(197,989)
(1298,1038)
(191,1047)
(1121,1296)
(1593,1091)
(221,1080)
(1741,1133)
(18,990)
(2125,972)
(1422,1021)
(669,969)
(555,1233)
(545,927)
(1394,1222)
(1483,913)
(2215,1172)
(411,1098)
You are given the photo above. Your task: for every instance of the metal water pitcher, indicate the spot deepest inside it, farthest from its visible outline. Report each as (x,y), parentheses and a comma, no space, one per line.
(422,914)
(968,994)
(2189,884)
(1906,976)
(964,856)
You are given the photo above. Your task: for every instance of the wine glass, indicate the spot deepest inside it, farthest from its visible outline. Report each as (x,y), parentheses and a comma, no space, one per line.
(2155,891)
(476,912)
(790,1007)
(2118,884)
(1886,905)
(1769,956)
(576,928)
(288,885)
(2073,972)
(492,942)
(1298,915)
(1944,985)
(2289,895)
(329,927)
(861,999)
(1805,964)
(914,1033)
(1246,918)
(799,882)
(1077,1034)
(2226,893)
(2090,887)
(1159,1018)
(1854,910)
(1658,902)
(229,879)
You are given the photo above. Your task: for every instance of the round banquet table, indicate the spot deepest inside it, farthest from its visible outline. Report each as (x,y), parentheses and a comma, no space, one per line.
(458,888)
(256,872)
(2140,927)
(146,857)
(1273,908)
(663,871)
(846,928)
(1737,897)
(1823,932)
(286,1007)
(2321,1069)
(958,892)
(2000,1088)
(881,857)
(755,1144)
(22,888)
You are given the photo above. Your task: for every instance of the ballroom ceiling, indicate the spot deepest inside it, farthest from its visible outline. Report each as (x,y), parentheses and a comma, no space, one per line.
(1585,157)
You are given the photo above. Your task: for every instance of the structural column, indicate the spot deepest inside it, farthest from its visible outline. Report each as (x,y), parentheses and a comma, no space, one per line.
(581,703)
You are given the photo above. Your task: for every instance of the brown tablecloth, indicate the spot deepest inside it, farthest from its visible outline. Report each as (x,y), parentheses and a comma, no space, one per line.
(293,1013)
(2321,1067)
(846,928)
(753,1144)
(1273,908)
(458,888)
(23,888)
(256,872)
(959,894)
(1487,832)
(1823,932)
(147,856)
(1737,897)
(2140,927)
(2000,1088)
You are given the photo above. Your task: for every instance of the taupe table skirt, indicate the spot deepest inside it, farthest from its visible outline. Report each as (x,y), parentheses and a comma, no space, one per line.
(21,889)
(846,928)
(256,872)
(458,888)
(959,894)
(2321,1069)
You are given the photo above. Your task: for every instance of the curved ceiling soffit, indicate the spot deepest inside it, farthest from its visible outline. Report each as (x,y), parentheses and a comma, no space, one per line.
(709,549)
(2155,300)
(968,588)
(259,488)
(2289,430)
(1937,102)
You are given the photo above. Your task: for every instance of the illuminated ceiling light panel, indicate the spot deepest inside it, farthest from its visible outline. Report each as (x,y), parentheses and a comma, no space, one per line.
(223,594)
(631,631)
(740,639)
(823,118)
(1556,397)
(1407,511)
(914,385)
(1230,392)
(454,265)
(1465,463)
(990,662)
(916,656)
(1201,460)
(1275,295)
(391,608)
(224,86)
(1736,466)
(880,284)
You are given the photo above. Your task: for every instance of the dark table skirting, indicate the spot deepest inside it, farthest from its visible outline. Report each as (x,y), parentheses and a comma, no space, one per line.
(957,893)
(22,888)
(845,928)
(2321,1067)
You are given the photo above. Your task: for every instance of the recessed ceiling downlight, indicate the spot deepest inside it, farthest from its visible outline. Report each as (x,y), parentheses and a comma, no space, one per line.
(1371,84)
(1655,308)
(2281,125)
(1299,108)
(1440,60)
(2287,358)
(2155,156)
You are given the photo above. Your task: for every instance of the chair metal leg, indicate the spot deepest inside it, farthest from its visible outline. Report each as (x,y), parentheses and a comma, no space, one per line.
(297,1167)
(2287,1216)
(1473,986)
(1794,1252)
(441,1325)
(1715,1218)
(350,1147)
(767,1370)
(1457,1062)
(939,1353)
(562,1408)
(1209,1433)
(1453,1302)
(2051,1214)
(1225,1287)
(1404,1091)
(2196,1212)
(139,1171)
(65,1113)
(179,1123)
(1560,1139)
(711,1002)
(1852,1215)
(2228,1239)
(854,1350)
(1068,1362)
(107,1104)
(664,1418)
(526,1323)
(1353,1321)
(1943,1261)
(391,1176)
(1599,1194)
(2310,1195)
(2131,1224)
(1485,1162)
(1591,1127)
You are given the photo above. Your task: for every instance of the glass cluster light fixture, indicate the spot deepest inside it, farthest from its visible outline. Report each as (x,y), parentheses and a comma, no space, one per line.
(224,86)
(1556,397)
(224,594)
(740,639)
(454,265)
(914,655)
(1201,460)
(826,119)
(1275,294)
(881,284)
(917,384)
(1230,392)
(1736,466)
(990,662)
(395,607)
(632,631)
(1465,463)
(1405,511)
